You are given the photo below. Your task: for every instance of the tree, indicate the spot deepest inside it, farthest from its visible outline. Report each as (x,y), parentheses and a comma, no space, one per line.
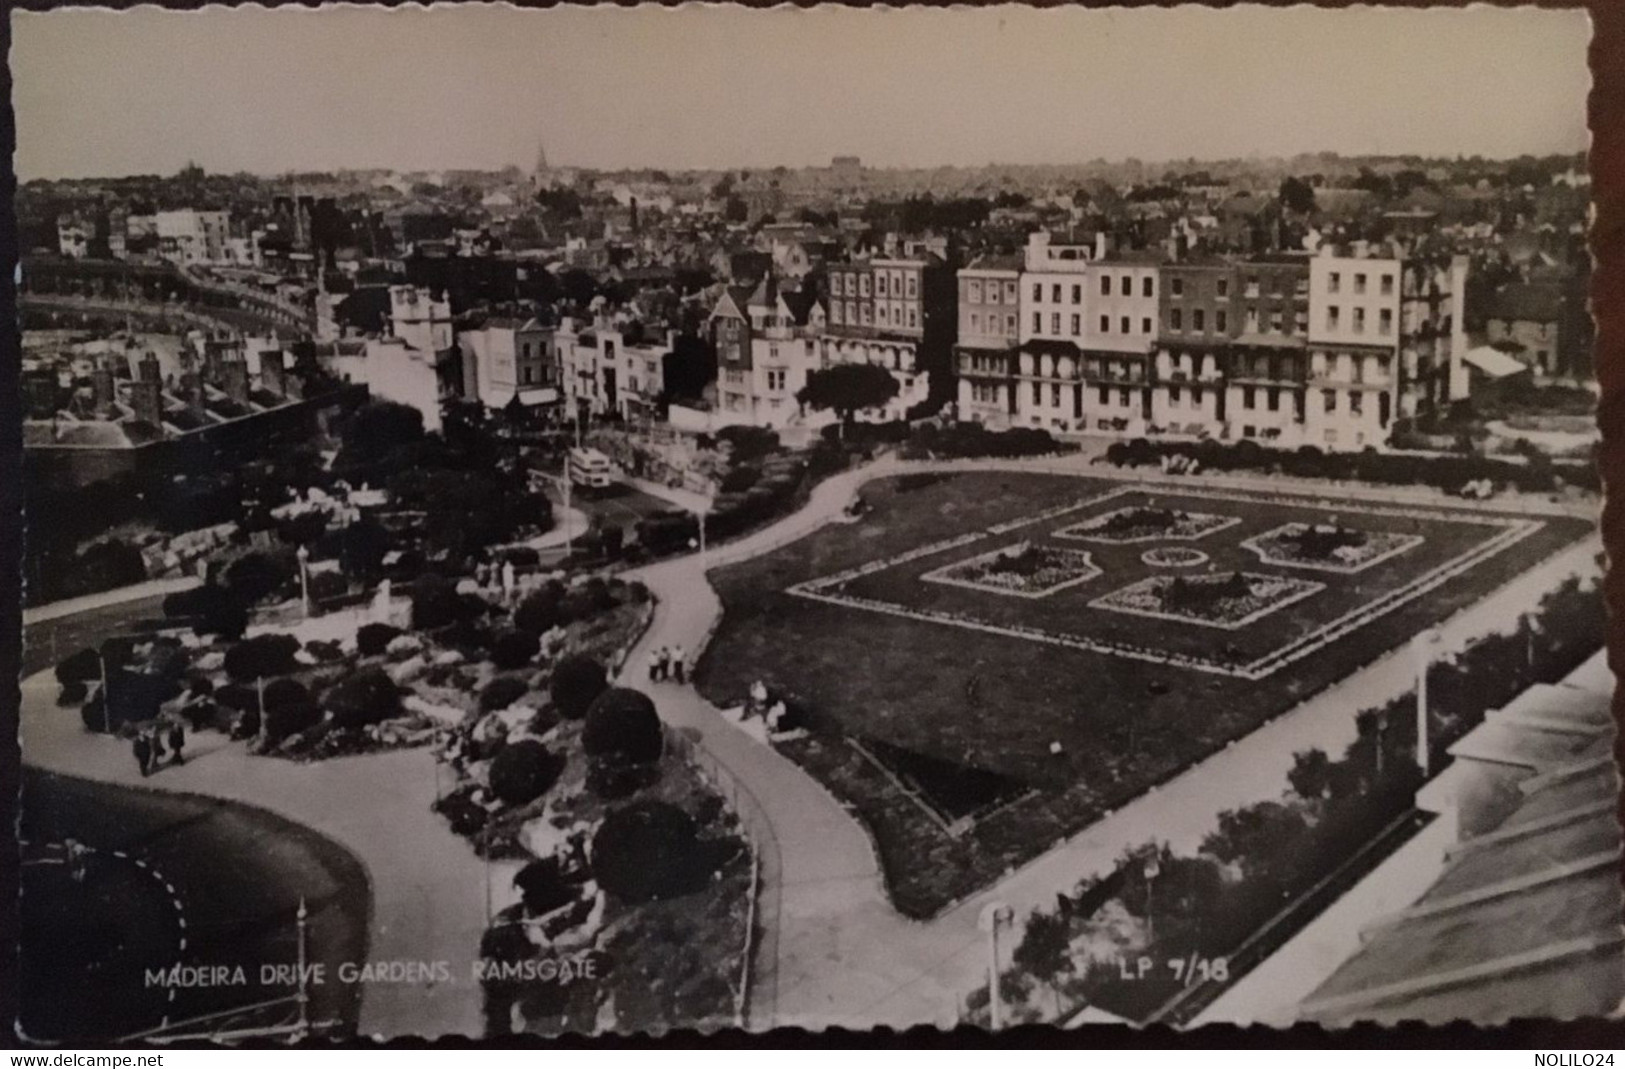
(623,728)
(514,649)
(847,389)
(1297,195)
(262,656)
(648,851)
(289,709)
(541,610)
(522,771)
(256,576)
(367,697)
(577,682)
(435,603)
(362,547)
(371,640)
(375,430)
(502,692)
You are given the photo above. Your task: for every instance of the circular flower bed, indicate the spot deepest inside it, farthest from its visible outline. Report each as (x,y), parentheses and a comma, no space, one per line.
(1174,557)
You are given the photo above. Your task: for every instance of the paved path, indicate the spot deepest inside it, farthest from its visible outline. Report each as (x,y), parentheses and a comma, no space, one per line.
(840,955)
(427,884)
(152,588)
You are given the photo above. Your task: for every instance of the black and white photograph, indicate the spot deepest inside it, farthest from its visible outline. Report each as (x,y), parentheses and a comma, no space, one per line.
(611,520)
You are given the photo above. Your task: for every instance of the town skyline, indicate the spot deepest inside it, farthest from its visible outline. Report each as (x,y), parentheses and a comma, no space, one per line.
(658,114)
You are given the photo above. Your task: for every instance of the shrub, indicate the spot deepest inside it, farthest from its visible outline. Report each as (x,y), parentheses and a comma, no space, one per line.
(738,480)
(81,667)
(108,564)
(502,692)
(73,693)
(200,687)
(436,603)
(749,443)
(514,649)
(262,655)
(623,728)
(365,698)
(371,640)
(217,610)
(462,813)
(543,886)
(651,850)
(577,682)
(237,697)
(522,771)
(613,782)
(540,611)
(289,708)
(256,576)
(522,556)
(326,652)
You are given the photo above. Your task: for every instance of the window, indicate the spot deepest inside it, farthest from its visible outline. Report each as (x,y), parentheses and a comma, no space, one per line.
(1010,323)
(1220,321)
(1252,285)
(1123,323)
(1223,287)
(1077,293)
(1173,397)
(863,285)
(1359,320)
(1145,325)
(1328,400)
(1359,284)
(1127,288)
(1122,398)
(1038,393)
(1334,282)
(867,314)
(1274,398)
(1055,323)
(1198,319)
(913,286)
(1038,322)
(1055,293)
(913,317)
(1248,397)
(975,292)
(1105,324)
(851,313)
(1105,285)
(1055,395)
(1146,286)
(1387,285)
(880,285)
(1077,325)
(1105,396)
(775,378)
(1175,319)
(1356,402)
(1178,286)
(1331,318)
(975,323)
(1385,321)
(882,312)
(1038,291)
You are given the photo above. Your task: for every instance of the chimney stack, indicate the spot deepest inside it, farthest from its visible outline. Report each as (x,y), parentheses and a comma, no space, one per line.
(272,372)
(148,370)
(147,402)
(234,379)
(191,392)
(101,381)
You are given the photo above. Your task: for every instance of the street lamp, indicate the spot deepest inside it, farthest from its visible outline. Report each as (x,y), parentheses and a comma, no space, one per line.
(994,916)
(1152,870)
(1425,649)
(303,554)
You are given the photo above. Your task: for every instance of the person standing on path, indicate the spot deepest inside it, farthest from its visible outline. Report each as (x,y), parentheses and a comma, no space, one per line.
(177,739)
(143,752)
(677,664)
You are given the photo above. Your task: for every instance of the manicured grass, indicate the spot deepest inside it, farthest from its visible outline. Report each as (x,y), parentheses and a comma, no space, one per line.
(998,702)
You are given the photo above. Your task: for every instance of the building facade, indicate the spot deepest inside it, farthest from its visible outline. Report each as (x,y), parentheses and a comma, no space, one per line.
(768,343)
(509,359)
(989,330)
(877,315)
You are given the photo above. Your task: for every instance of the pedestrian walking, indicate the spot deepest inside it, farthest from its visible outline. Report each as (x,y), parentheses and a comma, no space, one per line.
(177,739)
(662,664)
(654,666)
(143,753)
(156,738)
(677,664)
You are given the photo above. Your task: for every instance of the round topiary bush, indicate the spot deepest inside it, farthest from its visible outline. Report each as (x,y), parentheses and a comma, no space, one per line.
(289,708)
(326,652)
(513,650)
(367,697)
(256,576)
(372,639)
(577,682)
(522,771)
(623,728)
(543,886)
(81,667)
(541,609)
(262,656)
(73,693)
(650,850)
(502,692)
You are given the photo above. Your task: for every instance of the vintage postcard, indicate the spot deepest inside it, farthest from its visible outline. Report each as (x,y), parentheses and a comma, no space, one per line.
(612,520)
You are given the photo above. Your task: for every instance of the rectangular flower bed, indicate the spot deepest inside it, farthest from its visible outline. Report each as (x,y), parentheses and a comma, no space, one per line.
(1023,570)
(1226,601)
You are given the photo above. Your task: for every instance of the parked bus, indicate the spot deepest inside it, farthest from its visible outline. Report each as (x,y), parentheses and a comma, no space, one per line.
(588,469)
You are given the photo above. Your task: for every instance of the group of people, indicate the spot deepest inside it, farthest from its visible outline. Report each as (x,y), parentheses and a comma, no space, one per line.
(667,663)
(148,746)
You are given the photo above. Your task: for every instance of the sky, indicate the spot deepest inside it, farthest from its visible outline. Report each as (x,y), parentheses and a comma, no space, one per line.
(101,94)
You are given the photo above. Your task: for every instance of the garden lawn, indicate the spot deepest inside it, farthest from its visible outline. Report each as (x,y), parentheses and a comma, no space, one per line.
(998,702)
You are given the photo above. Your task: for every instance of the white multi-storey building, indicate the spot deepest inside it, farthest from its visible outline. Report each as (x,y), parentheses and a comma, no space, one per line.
(602,374)
(190,236)
(767,346)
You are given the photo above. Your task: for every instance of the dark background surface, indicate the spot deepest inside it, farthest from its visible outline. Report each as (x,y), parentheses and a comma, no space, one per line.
(1606,108)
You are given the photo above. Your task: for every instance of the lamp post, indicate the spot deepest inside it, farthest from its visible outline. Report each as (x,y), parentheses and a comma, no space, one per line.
(304,580)
(1152,870)
(994,916)
(259,688)
(1425,649)
(107,703)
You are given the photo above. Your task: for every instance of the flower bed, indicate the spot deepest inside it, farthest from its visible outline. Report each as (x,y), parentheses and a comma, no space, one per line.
(1328,547)
(1225,601)
(1023,569)
(1174,557)
(1140,523)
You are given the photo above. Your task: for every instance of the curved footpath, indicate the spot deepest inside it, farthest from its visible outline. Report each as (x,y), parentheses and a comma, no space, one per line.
(840,955)
(427,884)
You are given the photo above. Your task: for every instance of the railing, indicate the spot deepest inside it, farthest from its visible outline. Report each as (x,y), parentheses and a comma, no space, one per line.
(756,998)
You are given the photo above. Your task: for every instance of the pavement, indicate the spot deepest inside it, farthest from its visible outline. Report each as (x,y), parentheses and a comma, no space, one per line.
(153,588)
